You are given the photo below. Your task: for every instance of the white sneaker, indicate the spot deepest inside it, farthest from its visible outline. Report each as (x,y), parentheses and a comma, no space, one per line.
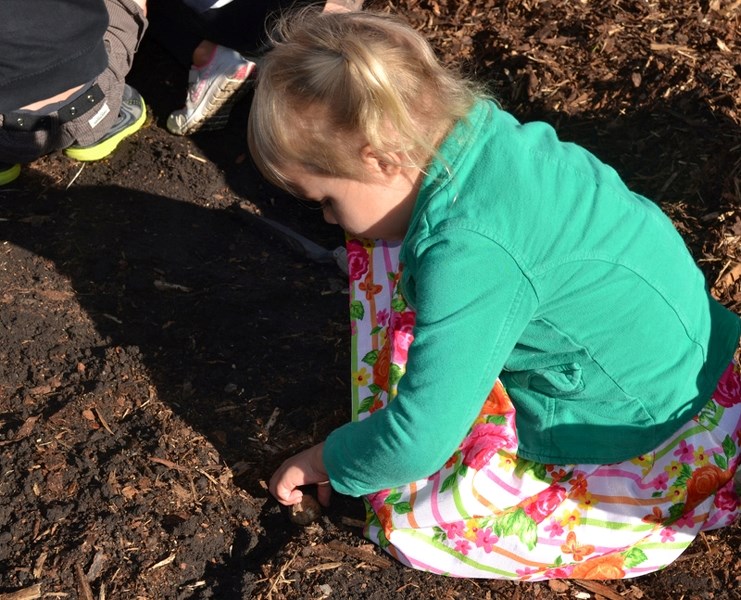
(212,90)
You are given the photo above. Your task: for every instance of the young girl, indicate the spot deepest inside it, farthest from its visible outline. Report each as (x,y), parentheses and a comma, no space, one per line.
(570,405)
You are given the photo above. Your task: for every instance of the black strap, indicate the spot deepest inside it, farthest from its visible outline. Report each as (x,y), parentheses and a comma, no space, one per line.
(19,120)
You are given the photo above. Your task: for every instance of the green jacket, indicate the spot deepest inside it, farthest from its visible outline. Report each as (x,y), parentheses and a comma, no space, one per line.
(529,259)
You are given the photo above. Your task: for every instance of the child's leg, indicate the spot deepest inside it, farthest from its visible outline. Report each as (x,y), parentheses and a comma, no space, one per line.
(488,513)
(126,28)
(378,351)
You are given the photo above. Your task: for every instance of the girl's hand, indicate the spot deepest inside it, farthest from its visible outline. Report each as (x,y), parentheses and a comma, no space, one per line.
(304,468)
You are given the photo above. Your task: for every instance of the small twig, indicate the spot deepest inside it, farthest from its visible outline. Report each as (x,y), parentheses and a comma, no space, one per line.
(405,586)
(163,286)
(169,464)
(360,554)
(23,432)
(29,593)
(271,421)
(704,539)
(352,522)
(324,567)
(683,50)
(211,478)
(726,268)
(198,158)
(164,562)
(217,486)
(666,185)
(38,567)
(85,591)
(280,578)
(598,588)
(102,420)
(76,175)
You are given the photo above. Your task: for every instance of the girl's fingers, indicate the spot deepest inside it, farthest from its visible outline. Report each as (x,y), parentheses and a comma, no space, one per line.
(286,495)
(303,469)
(284,488)
(293,497)
(286,481)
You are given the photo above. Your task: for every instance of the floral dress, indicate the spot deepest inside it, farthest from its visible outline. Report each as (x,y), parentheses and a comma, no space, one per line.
(488,513)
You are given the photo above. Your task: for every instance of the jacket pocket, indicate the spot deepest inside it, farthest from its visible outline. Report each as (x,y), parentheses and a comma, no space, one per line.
(556,381)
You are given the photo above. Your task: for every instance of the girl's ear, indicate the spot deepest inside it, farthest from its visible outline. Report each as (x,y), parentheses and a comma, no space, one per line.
(380,164)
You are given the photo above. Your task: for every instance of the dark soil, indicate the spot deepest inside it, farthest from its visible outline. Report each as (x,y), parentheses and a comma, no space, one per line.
(161,353)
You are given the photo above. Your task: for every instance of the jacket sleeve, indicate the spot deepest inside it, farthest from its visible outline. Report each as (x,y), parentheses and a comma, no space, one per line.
(473,301)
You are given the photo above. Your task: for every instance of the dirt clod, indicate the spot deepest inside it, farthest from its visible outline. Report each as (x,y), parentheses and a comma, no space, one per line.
(305,512)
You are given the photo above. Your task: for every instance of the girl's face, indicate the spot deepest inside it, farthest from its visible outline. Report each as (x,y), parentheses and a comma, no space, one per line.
(379,207)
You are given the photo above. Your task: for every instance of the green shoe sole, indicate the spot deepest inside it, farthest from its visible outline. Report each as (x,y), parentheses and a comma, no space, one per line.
(10,174)
(106,147)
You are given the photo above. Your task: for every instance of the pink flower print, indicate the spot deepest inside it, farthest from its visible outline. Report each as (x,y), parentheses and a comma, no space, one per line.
(543,505)
(728,391)
(403,321)
(667,535)
(454,529)
(382,317)
(402,326)
(357,260)
(661,481)
(486,539)
(685,452)
(462,546)
(686,520)
(726,498)
(526,572)
(378,499)
(483,442)
(559,573)
(554,529)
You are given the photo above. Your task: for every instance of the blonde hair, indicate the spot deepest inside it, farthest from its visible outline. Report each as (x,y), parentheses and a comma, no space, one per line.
(333,82)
